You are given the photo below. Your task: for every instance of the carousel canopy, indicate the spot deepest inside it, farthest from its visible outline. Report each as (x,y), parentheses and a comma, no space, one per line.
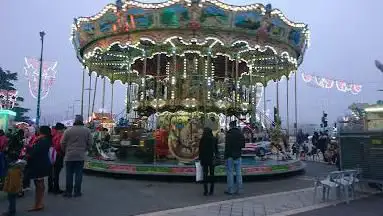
(122,34)
(198,55)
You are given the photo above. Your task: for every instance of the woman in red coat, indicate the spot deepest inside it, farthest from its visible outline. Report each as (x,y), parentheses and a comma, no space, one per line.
(54,178)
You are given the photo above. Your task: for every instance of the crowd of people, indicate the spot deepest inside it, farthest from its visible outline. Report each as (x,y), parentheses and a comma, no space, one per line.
(40,157)
(321,143)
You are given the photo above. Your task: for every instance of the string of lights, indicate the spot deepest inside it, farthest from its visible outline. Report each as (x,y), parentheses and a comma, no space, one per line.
(327,83)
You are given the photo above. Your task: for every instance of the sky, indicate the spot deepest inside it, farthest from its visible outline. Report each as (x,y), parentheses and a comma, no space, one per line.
(346,38)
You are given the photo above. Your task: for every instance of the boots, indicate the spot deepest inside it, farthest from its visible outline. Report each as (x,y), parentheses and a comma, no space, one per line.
(211,188)
(205,189)
(205,186)
(39,196)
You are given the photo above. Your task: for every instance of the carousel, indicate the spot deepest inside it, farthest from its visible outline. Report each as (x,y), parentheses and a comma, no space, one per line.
(186,65)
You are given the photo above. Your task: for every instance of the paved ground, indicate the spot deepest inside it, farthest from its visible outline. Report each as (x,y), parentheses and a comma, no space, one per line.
(121,196)
(267,204)
(371,206)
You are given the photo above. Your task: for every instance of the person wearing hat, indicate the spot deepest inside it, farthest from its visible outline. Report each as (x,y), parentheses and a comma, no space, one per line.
(54,178)
(234,143)
(39,166)
(75,142)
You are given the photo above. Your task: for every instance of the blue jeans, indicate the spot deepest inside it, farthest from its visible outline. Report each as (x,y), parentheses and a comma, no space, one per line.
(236,165)
(12,203)
(74,169)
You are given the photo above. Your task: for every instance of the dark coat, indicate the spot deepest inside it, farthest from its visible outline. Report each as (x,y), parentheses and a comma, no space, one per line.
(322,143)
(208,149)
(235,141)
(315,139)
(39,165)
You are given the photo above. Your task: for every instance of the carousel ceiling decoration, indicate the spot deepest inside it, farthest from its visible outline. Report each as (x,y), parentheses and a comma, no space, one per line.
(327,83)
(48,76)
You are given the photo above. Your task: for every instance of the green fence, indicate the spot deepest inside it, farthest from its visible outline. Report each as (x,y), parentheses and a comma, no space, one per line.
(363,150)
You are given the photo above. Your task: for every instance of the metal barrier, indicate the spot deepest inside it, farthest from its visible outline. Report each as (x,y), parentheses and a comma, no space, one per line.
(363,150)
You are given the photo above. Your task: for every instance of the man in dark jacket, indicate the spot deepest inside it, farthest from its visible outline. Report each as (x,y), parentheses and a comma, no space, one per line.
(234,143)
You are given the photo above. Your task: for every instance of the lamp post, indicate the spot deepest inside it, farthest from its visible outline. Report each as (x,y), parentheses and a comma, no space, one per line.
(73,107)
(42,34)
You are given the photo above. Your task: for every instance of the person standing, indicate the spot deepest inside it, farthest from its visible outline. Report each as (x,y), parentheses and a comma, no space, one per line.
(322,145)
(24,155)
(75,142)
(208,152)
(54,178)
(300,139)
(234,143)
(39,165)
(315,139)
(3,148)
(3,141)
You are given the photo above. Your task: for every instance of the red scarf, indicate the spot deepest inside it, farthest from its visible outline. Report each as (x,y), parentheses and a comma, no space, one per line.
(57,141)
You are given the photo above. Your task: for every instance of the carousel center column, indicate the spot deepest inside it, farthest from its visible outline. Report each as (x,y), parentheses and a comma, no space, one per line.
(173,78)
(143,79)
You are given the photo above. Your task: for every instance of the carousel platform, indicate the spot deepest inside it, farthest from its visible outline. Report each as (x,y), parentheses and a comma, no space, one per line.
(250,167)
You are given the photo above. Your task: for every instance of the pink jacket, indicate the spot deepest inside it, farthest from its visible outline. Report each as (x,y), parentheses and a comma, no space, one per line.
(3,143)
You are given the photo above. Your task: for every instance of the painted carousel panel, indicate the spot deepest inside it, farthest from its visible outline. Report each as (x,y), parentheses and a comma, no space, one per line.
(213,16)
(175,16)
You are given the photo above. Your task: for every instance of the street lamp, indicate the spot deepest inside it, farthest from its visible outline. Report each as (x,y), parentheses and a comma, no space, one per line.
(42,34)
(73,107)
(379,65)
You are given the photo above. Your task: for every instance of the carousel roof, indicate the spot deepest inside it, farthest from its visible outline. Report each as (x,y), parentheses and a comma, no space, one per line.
(116,40)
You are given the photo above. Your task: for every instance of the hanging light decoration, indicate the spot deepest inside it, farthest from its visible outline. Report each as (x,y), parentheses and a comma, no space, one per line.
(49,71)
(8,99)
(327,83)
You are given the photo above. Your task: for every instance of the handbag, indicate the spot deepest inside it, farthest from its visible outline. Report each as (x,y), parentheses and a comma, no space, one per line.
(198,171)
(52,154)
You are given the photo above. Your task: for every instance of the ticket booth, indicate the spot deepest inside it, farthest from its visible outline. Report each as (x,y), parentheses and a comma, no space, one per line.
(6,118)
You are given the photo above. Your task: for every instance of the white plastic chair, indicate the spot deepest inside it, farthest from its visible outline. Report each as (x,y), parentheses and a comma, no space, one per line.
(327,184)
(347,184)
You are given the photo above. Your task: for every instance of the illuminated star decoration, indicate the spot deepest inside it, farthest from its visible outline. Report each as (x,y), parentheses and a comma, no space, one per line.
(327,83)
(48,76)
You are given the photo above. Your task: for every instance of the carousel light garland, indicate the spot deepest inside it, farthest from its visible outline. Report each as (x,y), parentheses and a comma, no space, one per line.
(185,69)
(327,83)
(248,47)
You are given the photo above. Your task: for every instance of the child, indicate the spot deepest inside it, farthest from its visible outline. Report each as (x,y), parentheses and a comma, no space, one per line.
(13,185)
